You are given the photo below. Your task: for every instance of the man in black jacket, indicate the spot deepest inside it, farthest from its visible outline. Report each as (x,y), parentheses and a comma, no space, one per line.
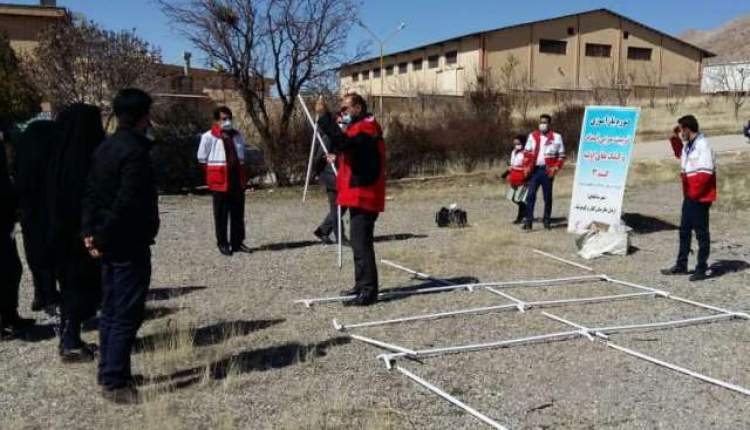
(327,178)
(120,222)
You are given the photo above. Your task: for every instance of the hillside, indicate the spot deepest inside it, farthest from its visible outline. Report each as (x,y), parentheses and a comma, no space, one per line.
(729,41)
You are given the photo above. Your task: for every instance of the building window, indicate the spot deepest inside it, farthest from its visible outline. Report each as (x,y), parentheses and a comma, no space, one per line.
(355,76)
(451,58)
(571,31)
(598,50)
(417,64)
(366,75)
(376,73)
(641,54)
(433,61)
(558,47)
(389,70)
(625,34)
(403,68)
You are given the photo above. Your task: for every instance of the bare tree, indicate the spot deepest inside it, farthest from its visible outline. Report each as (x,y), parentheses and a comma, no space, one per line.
(18,99)
(649,76)
(733,80)
(81,62)
(608,87)
(293,42)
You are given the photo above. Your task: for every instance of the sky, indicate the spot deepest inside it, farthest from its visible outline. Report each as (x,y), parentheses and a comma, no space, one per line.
(426,20)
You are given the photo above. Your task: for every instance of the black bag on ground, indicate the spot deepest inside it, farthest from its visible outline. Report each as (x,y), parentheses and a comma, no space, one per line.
(451,217)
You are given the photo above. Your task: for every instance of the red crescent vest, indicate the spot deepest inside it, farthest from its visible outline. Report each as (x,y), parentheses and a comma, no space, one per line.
(372,197)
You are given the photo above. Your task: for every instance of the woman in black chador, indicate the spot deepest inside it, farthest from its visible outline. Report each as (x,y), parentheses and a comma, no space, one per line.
(78,275)
(10,264)
(34,152)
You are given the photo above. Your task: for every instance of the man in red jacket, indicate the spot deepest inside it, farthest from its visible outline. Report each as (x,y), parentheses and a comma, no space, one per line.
(699,189)
(359,151)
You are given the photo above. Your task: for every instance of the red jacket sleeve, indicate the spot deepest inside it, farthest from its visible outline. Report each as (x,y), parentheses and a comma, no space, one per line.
(676,143)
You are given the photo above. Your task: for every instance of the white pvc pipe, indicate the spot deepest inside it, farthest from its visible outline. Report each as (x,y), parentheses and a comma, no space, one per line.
(316,134)
(520,304)
(595,299)
(383,345)
(637,286)
(425,317)
(310,162)
(583,330)
(687,321)
(562,260)
(683,370)
(485,419)
(710,307)
(340,235)
(648,358)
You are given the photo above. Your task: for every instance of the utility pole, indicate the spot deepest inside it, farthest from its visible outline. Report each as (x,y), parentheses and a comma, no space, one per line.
(382,42)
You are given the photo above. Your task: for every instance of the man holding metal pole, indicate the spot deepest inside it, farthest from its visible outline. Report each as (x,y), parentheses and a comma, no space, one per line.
(359,150)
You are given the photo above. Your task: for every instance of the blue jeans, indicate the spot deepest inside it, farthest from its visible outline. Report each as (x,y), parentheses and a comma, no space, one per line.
(124,285)
(539,178)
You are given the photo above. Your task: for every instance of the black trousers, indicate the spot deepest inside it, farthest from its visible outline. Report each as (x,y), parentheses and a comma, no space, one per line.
(10,278)
(124,285)
(229,208)
(361,233)
(521,211)
(79,277)
(694,218)
(539,178)
(331,221)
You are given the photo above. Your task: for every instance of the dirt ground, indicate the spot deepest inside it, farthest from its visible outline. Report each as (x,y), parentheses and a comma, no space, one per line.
(225,346)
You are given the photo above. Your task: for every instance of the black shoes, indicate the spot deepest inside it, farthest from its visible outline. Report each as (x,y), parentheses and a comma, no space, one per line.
(83,354)
(323,237)
(675,270)
(126,395)
(242,248)
(526,226)
(518,221)
(547,225)
(699,275)
(13,327)
(225,250)
(363,299)
(352,292)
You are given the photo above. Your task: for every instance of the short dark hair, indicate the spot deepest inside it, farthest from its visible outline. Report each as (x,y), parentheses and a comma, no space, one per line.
(131,105)
(521,138)
(222,110)
(358,100)
(689,122)
(547,117)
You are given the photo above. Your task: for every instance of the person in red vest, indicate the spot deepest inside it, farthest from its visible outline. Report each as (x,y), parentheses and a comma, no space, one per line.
(699,190)
(222,153)
(544,156)
(359,153)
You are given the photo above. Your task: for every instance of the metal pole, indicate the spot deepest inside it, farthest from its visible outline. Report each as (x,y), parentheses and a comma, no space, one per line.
(340,235)
(484,418)
(382,79)
(310,161)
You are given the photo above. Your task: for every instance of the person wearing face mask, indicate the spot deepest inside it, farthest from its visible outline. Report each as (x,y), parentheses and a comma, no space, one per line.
(222,153)
(515,174)
(544,156)
(699,190)
(359,149)
(120,220)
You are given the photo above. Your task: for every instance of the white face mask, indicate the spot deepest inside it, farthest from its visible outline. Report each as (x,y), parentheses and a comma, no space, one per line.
(346,119)
(543,127)
(227,125)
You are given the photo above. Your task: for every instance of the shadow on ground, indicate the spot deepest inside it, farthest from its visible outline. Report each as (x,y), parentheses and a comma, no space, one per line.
(40,333)
(722,267)
(254,360)
(204,336)
(168,293)
(282,246)
(427,284)
(644,224)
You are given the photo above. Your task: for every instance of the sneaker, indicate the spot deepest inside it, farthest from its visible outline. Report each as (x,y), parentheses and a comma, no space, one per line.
(323,237)
(675,270)
(126,395)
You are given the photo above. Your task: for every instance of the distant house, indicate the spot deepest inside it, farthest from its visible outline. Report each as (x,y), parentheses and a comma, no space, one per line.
(23,23)
(726,77)
(594,49)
